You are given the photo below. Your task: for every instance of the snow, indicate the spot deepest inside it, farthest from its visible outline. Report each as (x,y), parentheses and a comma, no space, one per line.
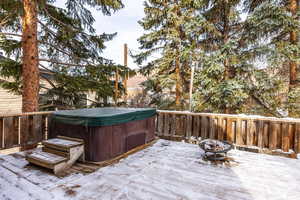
(48,157)
(243,115)
(166,170)
(62,142)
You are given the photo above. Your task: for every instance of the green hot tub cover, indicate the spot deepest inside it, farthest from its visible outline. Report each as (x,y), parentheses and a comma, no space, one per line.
(102,116)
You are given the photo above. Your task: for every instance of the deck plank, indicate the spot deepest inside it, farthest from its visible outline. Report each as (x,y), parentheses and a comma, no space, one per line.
(170,170)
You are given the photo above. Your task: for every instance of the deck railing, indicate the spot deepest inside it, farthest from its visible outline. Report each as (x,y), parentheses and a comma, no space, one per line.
(21,130)
(262,132)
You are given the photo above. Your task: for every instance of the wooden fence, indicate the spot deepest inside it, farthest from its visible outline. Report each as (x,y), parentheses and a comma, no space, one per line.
(263,132)
(23,129)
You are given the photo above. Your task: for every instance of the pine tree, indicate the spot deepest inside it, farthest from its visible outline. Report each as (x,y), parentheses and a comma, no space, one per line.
(168,26)
(279,23)
(220,79)
(65,38)
(229,79)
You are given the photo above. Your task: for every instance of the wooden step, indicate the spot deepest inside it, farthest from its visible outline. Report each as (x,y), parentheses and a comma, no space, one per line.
(61,144)
(45,159)
(57,152)
(70,138)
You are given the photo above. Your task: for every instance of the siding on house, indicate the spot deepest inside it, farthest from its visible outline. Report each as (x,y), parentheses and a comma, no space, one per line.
(9,103)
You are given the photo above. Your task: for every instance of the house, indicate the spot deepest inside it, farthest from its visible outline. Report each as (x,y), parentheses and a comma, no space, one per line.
(134,86)
(12,103)
(9,102)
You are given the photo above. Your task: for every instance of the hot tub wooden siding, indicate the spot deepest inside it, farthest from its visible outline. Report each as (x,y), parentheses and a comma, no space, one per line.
(106,142)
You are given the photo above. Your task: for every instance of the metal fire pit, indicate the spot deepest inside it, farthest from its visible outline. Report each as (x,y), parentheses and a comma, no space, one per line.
(215,150)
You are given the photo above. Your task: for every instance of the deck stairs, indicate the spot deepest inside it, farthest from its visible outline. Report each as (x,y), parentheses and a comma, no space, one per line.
(58,153)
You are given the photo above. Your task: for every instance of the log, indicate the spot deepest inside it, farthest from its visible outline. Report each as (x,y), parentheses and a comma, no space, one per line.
(183,125)
(216,127)
(160,124)
(297,138)
(25,130)
(11,131)
(230,133)
(211,128)
(260,134)
(292,130)
(244,132)
(166,125)
(37,128)
(45,127)
(196,126)
(173,125)
(204,127)
(251,129)
(178,125)
(239,137)
(274,132)
(189,126)
(221,128)
(266,134)
(285,137)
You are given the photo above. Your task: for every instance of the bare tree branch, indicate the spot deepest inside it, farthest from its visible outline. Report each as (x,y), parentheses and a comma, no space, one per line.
(259,101)
(60,22)
(5,20)
(10,34)
(61,63)
(48,80)
(64,52)
(46,68)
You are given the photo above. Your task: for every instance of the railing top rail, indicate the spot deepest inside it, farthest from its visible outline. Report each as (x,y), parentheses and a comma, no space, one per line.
(233,116)
(25,114)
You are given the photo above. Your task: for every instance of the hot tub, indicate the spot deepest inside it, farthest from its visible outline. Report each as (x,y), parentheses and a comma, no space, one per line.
(107,132)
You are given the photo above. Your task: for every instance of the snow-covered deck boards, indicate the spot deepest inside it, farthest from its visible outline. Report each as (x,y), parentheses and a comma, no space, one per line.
(166,170)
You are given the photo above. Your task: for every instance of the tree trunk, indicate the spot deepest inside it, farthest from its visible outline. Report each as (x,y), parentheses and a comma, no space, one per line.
(293,40)
(116,86)
(178,84)
(30,69)
(226,77)
(227,71)
(293,82)
(126,76)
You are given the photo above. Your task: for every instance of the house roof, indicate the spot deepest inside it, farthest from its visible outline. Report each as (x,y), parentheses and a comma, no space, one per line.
(166,170)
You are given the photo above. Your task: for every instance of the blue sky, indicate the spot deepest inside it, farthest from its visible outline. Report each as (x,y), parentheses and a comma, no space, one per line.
(125,23)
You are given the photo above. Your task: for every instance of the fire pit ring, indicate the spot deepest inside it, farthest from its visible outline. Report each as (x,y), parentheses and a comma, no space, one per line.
(215,150)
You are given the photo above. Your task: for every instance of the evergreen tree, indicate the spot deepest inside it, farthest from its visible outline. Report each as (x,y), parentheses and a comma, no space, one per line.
(221,85)
(229,79)
(65,38)
(169,27)
(277,22)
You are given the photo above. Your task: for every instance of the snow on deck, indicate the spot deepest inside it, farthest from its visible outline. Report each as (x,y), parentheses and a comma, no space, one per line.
(166,170)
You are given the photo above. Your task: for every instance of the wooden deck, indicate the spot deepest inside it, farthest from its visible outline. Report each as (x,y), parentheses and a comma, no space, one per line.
(166,170)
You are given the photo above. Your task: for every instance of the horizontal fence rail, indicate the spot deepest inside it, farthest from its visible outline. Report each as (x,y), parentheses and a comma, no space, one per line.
(262,132)
(20,130)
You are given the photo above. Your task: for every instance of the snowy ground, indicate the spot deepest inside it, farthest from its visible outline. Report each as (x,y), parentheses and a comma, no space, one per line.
(167,170)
